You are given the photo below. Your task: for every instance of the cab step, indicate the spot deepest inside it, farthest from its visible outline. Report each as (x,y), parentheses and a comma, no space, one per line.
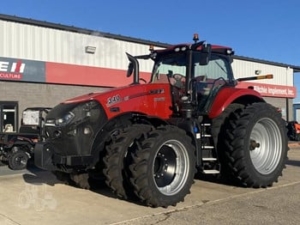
(211,171)
(208,147)
(209,159)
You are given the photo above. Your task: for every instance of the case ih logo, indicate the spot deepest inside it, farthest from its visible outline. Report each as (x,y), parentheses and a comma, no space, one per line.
(11,70)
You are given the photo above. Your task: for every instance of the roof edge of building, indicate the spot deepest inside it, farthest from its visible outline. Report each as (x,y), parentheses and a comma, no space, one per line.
(57,26)
(74,29)
(294,67)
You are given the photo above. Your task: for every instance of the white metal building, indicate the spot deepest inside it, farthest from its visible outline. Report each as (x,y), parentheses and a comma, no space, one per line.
(42,64)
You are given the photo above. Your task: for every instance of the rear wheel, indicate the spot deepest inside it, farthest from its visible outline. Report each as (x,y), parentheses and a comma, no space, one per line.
(116,159)
(256,145)
(218,131)
(163,167)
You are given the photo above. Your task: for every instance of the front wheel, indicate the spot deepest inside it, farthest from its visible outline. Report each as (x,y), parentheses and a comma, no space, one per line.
(256,145)
(163,166)
(18,160)
(116,159)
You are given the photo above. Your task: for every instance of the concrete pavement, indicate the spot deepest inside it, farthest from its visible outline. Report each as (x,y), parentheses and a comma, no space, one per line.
(36,197)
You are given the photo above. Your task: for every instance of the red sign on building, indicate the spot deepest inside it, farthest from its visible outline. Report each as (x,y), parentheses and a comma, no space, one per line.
(271,90)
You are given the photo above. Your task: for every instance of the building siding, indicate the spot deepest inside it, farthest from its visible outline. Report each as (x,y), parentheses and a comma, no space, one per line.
(287,113)
(282,75)
(51,45)
(46,44)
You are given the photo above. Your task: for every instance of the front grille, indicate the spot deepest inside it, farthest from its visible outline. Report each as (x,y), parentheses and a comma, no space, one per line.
(76,137)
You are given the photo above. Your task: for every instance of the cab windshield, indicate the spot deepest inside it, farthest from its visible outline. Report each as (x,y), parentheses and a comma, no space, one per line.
(169,66)
(175,66)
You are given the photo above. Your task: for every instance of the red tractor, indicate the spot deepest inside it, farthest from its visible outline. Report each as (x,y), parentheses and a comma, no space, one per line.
(149,139)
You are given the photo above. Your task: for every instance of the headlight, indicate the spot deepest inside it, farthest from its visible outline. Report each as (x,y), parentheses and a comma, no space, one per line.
(72,115)
(65,119)
(75,120)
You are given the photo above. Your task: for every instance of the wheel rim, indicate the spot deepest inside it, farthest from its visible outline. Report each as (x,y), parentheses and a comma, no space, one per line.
(265,146)
(171,167)
(21,160)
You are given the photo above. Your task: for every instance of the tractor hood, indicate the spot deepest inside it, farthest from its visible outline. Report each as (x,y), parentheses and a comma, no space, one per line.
(148,99)
(100,95)
(83,98)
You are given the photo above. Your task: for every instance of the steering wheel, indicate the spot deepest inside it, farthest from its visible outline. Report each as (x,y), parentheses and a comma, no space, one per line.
(201,78)
(177,80)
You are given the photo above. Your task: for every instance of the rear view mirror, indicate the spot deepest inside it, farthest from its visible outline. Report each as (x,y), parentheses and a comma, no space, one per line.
(206,50)
(130,69)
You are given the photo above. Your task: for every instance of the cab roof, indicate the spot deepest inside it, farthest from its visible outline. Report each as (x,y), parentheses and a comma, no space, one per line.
(214,48)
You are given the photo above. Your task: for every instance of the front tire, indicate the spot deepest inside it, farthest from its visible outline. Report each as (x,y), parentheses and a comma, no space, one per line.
(18,160)
(256,145)
(116,159)
(163,167)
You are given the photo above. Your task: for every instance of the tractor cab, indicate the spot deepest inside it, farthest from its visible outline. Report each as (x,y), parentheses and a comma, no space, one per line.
(196,72)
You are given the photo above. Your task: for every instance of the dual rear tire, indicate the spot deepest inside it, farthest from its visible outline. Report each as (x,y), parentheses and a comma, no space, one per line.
(252,144)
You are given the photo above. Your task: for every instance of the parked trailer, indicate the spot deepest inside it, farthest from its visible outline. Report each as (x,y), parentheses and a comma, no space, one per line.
(17,148)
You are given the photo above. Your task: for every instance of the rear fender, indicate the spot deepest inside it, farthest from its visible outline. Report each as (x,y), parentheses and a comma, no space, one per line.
(229,95)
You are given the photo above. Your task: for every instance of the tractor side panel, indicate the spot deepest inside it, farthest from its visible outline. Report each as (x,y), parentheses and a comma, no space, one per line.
(149,99)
